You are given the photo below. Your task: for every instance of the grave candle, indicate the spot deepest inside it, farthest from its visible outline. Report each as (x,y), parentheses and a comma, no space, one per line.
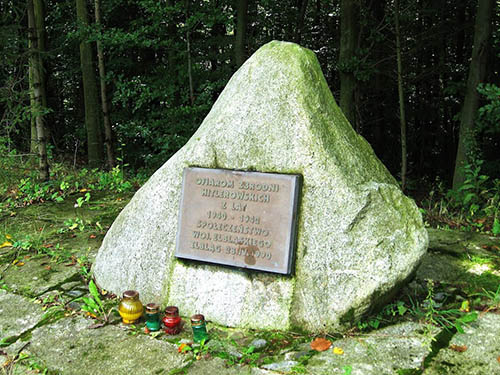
(199,328)
(153,316)
(172,320)
(130,307)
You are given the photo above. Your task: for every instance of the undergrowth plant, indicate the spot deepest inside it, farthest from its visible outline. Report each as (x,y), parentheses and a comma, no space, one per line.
(23,189)
(94,305)
(474,205)
(433,314)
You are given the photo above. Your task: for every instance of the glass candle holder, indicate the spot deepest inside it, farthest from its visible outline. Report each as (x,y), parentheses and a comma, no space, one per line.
(199,328)
(153,316)
(172,320)
(130,307)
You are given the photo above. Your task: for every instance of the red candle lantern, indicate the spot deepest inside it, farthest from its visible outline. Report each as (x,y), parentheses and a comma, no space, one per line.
(172,320)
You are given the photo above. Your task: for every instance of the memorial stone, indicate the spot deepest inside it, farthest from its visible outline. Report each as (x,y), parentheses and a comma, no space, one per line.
(358,237)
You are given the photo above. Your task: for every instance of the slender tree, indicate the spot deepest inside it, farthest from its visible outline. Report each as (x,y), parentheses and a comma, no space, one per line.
(300,20)
(241,31)
(477,70)
(402,115)
(188,45)
(90,94)
(38,108)
(31,82)
(349,34)
(108,132)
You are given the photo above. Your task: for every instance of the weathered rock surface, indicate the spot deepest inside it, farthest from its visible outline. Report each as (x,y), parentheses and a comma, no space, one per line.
(474,352)
(18,315)
(70,347)
(388,351)
(359,237)
(38,276)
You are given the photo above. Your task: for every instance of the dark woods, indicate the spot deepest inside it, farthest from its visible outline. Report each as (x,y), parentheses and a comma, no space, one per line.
(98,82)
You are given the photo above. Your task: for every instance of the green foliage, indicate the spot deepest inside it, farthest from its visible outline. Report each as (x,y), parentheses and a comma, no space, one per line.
(491,298)
(475,205)
(94,305)
(25,189)
(432,312)
(489,113)
(387,315)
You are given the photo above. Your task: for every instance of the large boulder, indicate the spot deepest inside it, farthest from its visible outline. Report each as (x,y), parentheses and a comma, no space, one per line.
(358,238)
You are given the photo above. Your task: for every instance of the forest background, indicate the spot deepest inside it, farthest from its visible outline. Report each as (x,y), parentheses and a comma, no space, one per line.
(97,96)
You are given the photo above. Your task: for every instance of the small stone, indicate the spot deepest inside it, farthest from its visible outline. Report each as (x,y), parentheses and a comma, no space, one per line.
(234,351)
(74,305)
(258,343)
(75,293)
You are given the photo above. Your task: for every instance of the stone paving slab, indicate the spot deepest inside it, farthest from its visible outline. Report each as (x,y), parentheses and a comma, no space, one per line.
(474,352)
(70,347)
(385,352)
(37,276)
(18,315)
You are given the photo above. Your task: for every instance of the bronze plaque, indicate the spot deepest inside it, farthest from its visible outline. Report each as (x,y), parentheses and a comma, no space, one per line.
(241,219)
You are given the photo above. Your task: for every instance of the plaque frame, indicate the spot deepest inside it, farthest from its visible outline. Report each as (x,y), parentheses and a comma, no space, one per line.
(288,216)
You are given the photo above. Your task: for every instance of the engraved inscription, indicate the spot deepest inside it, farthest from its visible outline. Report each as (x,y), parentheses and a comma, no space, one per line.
(244,219)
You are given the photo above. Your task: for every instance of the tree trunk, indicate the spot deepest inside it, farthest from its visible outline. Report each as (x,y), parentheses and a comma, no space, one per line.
(300,21)
(477,69)
(108,133)
(349,33)
(241,31)
(33,137)
(38,109)
(402,116)
(188,44)
(90,94)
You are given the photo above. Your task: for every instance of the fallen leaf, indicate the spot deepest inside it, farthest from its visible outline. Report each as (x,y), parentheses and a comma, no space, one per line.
(73,261)
(181,347)
(498,359)
(92,236)
(458,348)
(48,268)
(6,244)
(20,264)
(48,245)
(8,236)
(97,325)
(338,351)
(83,190)
(320,344)
(12,214)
